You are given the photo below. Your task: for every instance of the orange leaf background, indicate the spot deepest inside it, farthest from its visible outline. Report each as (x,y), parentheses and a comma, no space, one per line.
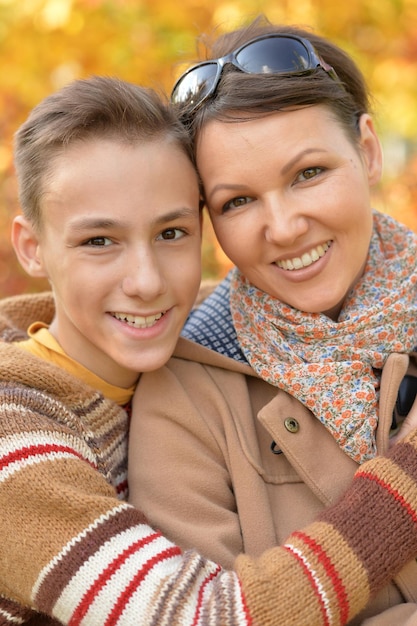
(46,43)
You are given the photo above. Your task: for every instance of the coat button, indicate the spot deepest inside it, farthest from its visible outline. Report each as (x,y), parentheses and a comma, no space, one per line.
(292,425)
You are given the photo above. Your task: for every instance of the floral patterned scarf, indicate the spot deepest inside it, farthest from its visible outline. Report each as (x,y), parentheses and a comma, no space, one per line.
(334,368)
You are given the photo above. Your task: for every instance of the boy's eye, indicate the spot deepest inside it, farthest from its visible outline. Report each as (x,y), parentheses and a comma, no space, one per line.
(98,241)
(235,203)
(171,233)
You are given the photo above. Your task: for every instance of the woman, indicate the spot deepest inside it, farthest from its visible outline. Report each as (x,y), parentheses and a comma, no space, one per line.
(314,325)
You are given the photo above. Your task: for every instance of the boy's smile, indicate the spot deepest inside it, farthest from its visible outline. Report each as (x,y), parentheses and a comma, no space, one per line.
(120,243)
(137,321)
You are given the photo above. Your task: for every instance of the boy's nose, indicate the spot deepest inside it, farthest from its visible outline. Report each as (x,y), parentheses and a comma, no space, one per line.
(144,277)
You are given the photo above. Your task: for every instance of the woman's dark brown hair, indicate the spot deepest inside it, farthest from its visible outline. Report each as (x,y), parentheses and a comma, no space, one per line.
(255,94)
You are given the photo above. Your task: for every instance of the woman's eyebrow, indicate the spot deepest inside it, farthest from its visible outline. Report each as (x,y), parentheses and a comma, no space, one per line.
(227,187)
(297,157)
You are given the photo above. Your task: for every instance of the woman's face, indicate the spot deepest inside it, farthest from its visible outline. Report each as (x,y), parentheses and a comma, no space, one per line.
(289,198)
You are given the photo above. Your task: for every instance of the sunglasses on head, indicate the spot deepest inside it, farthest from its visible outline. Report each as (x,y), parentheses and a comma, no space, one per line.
(267,54)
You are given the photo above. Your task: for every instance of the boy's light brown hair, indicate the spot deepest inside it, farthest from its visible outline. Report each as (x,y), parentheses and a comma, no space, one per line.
(95,107)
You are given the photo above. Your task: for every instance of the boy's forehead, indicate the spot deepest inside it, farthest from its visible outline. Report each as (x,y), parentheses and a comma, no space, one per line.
(107,184)
(101,154)
(105,177)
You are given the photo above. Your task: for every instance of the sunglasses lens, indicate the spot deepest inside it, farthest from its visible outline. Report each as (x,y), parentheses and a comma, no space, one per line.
(274,55)
(194,86)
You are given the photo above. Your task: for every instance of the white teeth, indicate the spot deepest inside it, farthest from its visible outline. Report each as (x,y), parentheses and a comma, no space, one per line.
(137,320)
(306,259)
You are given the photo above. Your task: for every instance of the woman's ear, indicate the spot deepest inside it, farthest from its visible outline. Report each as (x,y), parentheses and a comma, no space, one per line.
(26,245)
(371,149)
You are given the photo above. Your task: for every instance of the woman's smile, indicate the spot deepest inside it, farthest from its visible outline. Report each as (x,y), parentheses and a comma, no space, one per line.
(306,259)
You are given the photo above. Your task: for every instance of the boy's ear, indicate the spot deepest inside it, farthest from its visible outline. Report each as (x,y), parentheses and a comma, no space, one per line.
(25,242)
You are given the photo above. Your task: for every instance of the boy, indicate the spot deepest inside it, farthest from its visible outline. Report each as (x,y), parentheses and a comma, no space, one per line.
(111,217)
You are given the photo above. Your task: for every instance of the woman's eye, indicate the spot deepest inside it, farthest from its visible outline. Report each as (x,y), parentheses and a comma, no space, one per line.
(98,242)
(235,203)
(309,173)
(171,234)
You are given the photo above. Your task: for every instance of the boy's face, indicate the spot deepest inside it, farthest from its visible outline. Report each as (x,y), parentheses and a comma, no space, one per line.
(120,244)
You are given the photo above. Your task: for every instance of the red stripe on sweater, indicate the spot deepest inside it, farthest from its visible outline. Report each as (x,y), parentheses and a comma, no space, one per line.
(101,581)
(245,606)
(124,598)
(313,584)
(393,492)
(28,452)
(205,582)
(121,487)
(331,572)
(248,618)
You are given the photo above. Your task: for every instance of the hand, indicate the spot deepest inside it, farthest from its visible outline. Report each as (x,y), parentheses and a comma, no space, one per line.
(409,424)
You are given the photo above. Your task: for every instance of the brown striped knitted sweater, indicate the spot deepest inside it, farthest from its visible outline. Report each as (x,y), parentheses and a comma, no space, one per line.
(74,552)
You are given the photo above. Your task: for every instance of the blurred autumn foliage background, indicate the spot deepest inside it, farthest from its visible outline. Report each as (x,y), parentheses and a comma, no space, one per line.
(46,43)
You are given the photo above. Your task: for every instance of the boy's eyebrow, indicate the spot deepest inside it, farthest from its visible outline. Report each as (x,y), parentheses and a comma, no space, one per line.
(93,222)
(177,214)
(86,223)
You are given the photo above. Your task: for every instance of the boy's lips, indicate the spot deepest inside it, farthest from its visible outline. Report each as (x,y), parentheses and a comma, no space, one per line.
(138,321)
(306,259)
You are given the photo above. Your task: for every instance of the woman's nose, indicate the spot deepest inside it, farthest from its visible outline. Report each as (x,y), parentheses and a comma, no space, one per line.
(284,223)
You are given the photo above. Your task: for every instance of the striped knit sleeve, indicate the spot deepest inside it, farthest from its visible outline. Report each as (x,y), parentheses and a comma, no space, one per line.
(136,576)
(119,571)
(325,574)
(71,552)
(139,578)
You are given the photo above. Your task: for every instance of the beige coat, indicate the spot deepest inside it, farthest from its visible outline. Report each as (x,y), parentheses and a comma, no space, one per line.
(202,469)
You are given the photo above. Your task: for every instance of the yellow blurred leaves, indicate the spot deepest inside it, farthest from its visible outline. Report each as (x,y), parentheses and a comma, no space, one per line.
(47,14)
